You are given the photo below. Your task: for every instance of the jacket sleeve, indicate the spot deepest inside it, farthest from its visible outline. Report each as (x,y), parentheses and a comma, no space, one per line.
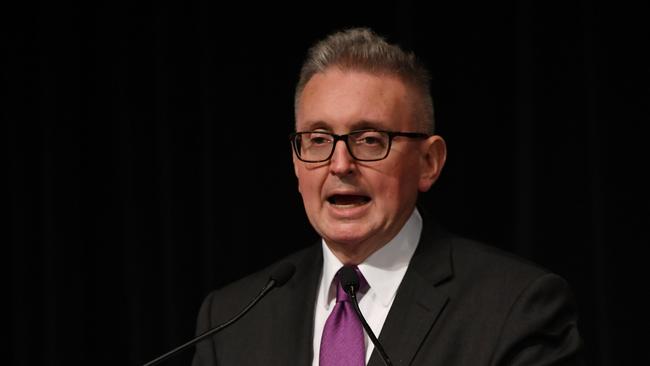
(541,327)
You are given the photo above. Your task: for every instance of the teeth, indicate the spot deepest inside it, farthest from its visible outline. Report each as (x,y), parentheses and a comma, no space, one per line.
(348,200)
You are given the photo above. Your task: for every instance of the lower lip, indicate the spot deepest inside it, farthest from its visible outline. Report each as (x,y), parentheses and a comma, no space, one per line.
(348,211)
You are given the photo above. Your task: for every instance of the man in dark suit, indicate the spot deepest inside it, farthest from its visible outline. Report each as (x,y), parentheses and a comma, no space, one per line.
(364,149)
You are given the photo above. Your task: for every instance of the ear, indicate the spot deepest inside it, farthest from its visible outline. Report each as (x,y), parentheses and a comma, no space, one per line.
(432,159)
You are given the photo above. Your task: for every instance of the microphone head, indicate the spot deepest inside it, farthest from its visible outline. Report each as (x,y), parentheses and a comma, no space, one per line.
(349,279)
(282,273)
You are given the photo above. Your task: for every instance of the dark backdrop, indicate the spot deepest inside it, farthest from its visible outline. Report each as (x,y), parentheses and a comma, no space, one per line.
(135,183)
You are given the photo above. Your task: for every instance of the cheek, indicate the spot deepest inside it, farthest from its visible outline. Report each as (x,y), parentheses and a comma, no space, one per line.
(308,184)
(399,187)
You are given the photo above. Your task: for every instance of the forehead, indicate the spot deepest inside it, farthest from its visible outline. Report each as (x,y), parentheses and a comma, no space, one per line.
(346,100)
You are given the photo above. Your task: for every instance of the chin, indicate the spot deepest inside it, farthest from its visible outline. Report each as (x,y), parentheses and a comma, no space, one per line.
(349,235)
(347,241)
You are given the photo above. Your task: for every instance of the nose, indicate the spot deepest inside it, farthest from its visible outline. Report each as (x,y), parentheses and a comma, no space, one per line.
(341,163)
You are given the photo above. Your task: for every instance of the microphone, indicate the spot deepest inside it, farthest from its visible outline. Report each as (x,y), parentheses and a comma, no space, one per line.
(350,283)
(278,277)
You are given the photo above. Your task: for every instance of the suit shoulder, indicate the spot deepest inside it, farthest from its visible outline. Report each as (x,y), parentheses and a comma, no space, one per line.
(480,265)
(462,257)
(497,279)
(235,293)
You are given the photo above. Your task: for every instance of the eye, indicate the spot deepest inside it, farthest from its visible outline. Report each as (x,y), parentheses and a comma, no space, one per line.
(319,139)
(370,138)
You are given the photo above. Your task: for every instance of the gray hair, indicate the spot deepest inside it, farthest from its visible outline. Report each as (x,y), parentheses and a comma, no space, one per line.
(361,49)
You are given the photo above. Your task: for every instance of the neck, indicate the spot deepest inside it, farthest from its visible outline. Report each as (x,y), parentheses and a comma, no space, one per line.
(352,255)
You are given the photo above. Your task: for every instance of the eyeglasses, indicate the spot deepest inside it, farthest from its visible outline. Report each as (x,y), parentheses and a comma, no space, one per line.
(363,145)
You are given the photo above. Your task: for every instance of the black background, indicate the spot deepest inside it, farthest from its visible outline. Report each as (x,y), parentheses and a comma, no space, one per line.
(148,159)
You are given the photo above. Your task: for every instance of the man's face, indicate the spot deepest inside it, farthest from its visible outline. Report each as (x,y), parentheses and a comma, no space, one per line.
(359,206)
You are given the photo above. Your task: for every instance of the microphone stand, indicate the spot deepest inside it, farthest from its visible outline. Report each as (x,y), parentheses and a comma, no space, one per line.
(374,339)
(350,282)
(278,278)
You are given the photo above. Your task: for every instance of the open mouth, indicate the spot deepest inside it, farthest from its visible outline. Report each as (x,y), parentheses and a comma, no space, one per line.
(348,200)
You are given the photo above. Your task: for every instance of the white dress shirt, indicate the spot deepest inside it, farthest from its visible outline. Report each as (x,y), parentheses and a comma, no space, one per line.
(384,270)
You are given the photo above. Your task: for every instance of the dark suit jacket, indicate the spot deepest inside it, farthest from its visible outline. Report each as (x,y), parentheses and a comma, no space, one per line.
(460,303)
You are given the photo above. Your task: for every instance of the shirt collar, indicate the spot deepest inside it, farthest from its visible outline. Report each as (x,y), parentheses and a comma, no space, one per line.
(383,269)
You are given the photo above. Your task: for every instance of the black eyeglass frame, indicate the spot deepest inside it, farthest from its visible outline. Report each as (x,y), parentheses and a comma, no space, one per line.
(293,138)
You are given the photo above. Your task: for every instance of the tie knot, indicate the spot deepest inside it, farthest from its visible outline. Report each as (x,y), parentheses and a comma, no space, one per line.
(341,295)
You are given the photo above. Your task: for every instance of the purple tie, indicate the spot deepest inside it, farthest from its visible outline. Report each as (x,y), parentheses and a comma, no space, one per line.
(342,343)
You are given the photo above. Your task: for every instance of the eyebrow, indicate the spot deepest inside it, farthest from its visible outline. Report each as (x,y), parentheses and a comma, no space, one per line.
(359,125)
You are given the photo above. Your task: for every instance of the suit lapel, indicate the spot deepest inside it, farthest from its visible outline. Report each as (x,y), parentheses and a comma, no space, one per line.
(296,309)
(418,302)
